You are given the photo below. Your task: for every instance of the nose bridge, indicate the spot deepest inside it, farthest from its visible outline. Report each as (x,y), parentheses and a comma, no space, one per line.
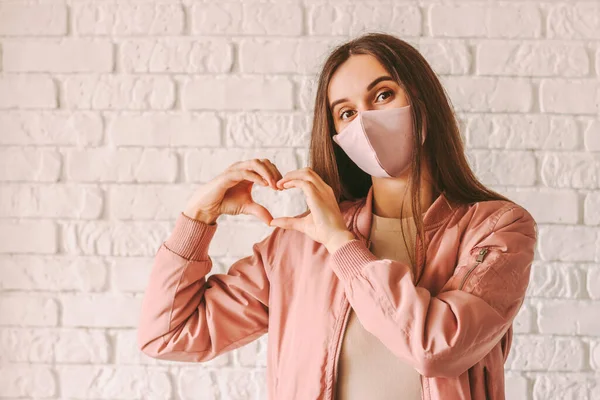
(364,106)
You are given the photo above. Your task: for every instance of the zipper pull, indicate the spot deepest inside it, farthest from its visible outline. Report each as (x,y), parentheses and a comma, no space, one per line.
(482,254)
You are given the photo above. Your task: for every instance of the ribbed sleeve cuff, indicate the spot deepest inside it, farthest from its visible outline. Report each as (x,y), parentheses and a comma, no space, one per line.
(190,238)
(350,259)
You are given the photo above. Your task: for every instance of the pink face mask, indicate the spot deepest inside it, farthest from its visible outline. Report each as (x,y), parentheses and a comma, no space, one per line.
(380,142)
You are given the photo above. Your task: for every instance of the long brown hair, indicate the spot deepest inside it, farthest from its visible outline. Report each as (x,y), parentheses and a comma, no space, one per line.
(443,146)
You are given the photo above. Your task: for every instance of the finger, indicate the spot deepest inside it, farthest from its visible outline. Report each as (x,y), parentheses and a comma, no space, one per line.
(276,174)
(260,167)
(310,191)
(306,174)
(306,186)
(294,223)
(234,177)
(258,211)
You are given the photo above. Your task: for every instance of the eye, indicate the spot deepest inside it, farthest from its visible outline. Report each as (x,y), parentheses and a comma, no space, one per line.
(387,91)
(342,114)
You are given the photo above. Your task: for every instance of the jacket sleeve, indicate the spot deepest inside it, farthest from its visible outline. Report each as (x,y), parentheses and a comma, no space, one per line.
(443,335)
(186,316)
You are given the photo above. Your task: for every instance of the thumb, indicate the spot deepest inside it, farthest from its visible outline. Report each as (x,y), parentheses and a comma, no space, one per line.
(288,223)
(258,211)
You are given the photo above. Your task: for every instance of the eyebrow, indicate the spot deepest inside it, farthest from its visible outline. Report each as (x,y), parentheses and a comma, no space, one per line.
(371,85)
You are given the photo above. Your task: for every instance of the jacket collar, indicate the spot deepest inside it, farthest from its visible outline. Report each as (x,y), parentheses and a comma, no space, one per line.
(438,212)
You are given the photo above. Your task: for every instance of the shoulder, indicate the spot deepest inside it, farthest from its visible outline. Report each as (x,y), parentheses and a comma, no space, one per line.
(485,218)
(495,211)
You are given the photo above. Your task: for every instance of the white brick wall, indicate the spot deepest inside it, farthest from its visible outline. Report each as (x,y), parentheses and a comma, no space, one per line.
(112,112)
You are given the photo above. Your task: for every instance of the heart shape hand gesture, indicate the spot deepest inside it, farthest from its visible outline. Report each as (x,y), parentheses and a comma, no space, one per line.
(230,193)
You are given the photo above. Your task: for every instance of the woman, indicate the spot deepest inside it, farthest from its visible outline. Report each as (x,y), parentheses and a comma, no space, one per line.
(402,278)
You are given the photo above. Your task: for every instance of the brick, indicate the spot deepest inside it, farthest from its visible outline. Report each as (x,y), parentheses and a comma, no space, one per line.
(591,136)
(447,57)
(516,386)
(282,55)
(121,165)
(350,19)
(532,59)
(26,345)
(130,274)
(265,129)
(595,354)
(65,201)
(64,55)
(234,238)
(204,164)
(28,236)
(53,273)
(306,93)
(176,55)
(569,317)
(43,345)
(164,129)
(128,352)
(119,92)
(570,170)
(113,382)
(516,168)
(562,386)
(55,128)
(113,238)
(286,203)
(598,62)
(574,21)
(236,92)
(570,96)
(547,205)
(486,94)
(485,20)
(247,19)
(533,352)
(253,354)
(302,156)
(241,383)
(29,381)
(191,381)
(114,310)
(129,202)
(82,346)
(23,309)
(522,131)
(593,282)
(524,322)
(22,19)
(27,91)
(556,280)
(128,19)
(580,245)
(29,164)
(591,209)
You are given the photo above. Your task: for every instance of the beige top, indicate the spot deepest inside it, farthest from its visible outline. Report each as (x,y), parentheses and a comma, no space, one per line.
(367,369)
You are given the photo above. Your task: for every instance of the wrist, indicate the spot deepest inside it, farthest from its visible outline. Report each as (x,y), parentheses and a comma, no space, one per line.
(208,219)
(338,239)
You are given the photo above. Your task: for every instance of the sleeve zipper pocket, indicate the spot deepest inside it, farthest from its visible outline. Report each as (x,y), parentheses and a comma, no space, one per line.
(479,260)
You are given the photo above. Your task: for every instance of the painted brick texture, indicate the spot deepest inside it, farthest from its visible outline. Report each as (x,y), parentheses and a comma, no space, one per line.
(112,113)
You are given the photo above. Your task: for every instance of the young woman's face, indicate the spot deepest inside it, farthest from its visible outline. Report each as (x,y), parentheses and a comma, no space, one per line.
(361,83)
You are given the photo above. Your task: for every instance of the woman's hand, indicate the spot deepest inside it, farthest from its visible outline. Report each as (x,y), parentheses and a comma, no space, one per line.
(230,192)
(325,223)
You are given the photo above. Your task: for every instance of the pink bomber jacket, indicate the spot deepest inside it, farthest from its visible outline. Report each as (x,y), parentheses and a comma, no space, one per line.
(451,320)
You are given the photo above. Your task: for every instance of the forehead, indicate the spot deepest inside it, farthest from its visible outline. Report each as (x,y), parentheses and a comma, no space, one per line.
(352,77)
